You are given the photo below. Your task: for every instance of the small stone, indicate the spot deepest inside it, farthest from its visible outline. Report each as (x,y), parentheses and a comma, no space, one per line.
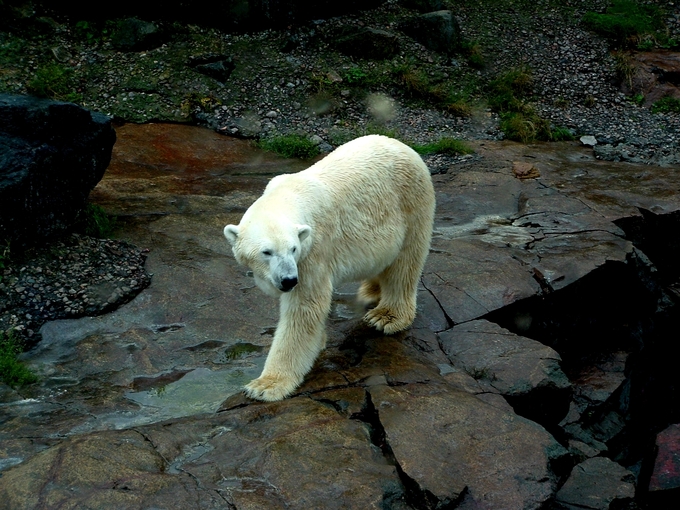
(588,140)
(272,114)
(525,170)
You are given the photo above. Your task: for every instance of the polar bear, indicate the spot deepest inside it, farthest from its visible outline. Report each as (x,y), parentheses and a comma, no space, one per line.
(363,213)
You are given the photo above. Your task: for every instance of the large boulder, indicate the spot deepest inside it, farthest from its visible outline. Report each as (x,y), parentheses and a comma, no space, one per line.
(437,31)
(52,154)
(367,43)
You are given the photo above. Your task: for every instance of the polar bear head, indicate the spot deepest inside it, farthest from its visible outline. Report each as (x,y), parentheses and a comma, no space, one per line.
(271,250)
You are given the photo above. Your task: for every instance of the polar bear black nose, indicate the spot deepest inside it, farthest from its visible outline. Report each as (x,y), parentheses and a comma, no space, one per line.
(288,283)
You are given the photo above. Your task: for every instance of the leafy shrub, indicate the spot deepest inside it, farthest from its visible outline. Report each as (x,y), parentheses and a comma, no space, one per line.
(291,146)
(666,104)
(450,146)
(56,82)
(12,371)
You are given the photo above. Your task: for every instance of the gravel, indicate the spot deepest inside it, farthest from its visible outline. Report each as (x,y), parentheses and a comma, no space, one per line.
(293,81)
(73,277)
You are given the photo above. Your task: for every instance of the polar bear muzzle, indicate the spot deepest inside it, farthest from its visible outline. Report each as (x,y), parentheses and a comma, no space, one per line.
(287,284)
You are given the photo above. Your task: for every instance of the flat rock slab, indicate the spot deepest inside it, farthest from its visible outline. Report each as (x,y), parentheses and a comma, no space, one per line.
(456,448)
(482,346)
(524,371)
(595,484)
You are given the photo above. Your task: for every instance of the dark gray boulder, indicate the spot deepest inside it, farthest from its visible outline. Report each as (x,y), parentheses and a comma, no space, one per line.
(133,34)
(437,31)
(217,66)
(52,154)
(367,43)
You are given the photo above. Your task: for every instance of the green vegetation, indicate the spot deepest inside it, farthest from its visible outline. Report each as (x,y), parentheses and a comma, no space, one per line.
(291,146)
(450,146)
(241,350)
(355,76)
(630,23)
(625,70)
(442,94)
(473,53)
(638,99)
(96,222)
(56,82)
(12,371)
(666,104)
(519,120)
(92,32)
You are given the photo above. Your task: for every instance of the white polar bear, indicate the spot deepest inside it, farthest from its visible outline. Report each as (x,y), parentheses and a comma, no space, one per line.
(363,213)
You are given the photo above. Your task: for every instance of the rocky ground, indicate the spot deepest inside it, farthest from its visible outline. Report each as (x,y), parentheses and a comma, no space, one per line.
(297,80)
(72,277)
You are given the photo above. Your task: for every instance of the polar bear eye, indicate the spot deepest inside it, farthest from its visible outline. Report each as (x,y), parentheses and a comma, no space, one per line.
(267,253)
(294,249)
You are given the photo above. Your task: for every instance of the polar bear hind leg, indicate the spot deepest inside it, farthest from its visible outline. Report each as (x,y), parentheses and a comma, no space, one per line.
(369,292)
(398,286)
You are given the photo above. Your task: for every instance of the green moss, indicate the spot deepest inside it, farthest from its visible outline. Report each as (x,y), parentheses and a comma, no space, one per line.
(450,146)
(241,350)
(291,146)
(56,82)
(12,371)
(666,104)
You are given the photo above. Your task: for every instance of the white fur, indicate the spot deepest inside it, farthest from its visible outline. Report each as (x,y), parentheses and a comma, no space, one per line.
(364,212)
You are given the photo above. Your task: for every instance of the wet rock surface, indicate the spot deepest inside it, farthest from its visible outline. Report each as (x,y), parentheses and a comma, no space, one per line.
(142,407)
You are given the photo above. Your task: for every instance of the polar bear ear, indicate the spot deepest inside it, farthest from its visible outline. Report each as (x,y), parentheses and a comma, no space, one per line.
(231,233)
(303,231)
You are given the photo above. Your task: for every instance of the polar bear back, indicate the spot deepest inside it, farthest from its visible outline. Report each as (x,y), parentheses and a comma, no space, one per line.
(363,201)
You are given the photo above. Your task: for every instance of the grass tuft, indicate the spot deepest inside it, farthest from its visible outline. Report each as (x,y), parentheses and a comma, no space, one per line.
(629,23)
(666,105)
(55,82)
(96,222)
(12,371)
(291,146)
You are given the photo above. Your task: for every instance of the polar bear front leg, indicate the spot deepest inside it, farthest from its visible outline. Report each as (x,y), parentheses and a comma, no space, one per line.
(299,338)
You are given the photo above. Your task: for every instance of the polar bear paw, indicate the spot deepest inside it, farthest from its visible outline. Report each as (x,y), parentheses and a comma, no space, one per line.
(387,321)
(271,388)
